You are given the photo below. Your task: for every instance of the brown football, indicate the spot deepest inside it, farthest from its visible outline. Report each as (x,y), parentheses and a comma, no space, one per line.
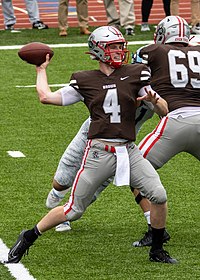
(35,53)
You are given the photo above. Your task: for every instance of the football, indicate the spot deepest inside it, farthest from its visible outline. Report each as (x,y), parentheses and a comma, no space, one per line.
(35,53)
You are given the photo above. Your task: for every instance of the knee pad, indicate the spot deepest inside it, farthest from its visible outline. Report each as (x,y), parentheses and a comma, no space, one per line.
(159,195)
(138,198)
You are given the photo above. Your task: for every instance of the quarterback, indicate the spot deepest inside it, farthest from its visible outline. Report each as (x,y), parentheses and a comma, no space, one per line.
(111,94)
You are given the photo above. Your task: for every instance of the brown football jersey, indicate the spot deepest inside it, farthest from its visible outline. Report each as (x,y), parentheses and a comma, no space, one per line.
(175,73)
(111,100)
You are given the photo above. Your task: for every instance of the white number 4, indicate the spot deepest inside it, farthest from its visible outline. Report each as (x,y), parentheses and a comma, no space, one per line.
(111,106)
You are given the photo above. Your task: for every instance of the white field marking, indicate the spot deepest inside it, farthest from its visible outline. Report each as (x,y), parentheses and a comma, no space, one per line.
(194,38)
(20,10)
(33,86)
(78,45)
(17,270)
(15,154)
(93,18)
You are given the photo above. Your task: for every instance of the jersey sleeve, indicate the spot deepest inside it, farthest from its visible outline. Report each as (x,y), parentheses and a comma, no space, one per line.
(145,76)
(70,95)
(144,52)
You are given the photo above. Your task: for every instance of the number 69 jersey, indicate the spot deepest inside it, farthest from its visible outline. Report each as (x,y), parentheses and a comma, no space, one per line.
(111,100)
(175,73)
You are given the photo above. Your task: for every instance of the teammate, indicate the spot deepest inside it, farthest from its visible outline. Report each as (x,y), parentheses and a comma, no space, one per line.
(111,95)
(70,163)
(177,81)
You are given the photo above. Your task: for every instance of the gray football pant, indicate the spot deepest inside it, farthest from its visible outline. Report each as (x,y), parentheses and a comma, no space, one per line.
(70,161)
(98,165)
(171,137)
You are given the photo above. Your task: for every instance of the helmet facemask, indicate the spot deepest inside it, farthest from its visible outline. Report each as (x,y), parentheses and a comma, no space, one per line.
(122,53)
(100,46)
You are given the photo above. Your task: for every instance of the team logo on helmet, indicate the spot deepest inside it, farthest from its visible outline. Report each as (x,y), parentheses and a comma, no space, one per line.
(172,29)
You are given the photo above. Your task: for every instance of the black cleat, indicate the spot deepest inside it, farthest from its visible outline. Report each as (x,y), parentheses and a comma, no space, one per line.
(147,239)
(20,248)
(161,256)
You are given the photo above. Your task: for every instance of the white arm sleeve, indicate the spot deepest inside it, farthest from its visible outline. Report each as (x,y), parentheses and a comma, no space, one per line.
(142,92)
(70,96)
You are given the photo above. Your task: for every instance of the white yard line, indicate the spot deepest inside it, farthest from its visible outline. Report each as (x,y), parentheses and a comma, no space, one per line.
(33,86)
(17,270)
(194,39)
(78,45)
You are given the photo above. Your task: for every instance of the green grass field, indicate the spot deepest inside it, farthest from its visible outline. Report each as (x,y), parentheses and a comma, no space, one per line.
(100,245)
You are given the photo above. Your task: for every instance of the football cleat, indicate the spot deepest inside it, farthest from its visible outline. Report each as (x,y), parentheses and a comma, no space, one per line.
(20,248)
(63,227)
(53,200)
(147,239)
(161,256)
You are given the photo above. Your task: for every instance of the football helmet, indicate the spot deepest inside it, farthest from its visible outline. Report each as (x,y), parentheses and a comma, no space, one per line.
(136,57)
(99,45)
(172,29)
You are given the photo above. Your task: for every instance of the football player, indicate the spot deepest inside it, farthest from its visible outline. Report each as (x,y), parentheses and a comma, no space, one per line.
(110,94)
(175,68)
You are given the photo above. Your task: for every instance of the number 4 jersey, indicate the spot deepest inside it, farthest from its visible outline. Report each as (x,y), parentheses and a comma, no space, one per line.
(111,100)
(175,73)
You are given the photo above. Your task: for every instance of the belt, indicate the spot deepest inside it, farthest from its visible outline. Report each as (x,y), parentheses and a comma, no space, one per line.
(112,143)
(110,149)
(110,146)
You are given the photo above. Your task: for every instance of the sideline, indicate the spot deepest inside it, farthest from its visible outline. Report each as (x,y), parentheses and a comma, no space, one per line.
(72,45)
(17,270)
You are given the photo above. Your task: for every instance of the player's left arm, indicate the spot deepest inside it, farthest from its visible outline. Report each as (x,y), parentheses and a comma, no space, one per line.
(159,105)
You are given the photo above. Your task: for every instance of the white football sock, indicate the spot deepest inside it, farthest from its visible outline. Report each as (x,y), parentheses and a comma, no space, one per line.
(61,194)
(147,217)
